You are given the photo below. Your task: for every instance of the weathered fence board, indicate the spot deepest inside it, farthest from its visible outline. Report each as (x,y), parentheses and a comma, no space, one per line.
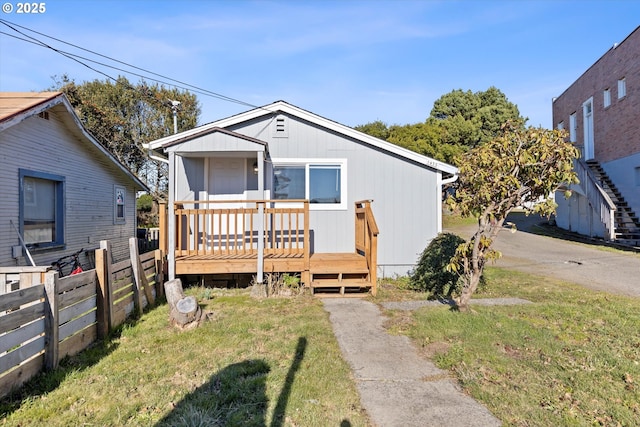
(78,342)
(77,294)
(17,336)
(18,376)
(77,324)
(15,299)
(76,310)
(25,315)
(69,283)
(41,323)
(24,352)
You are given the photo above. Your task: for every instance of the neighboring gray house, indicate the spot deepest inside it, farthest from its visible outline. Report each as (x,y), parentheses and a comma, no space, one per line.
(323,175)
(59,187)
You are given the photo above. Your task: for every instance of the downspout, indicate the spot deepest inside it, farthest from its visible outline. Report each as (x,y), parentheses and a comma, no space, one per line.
(171,220)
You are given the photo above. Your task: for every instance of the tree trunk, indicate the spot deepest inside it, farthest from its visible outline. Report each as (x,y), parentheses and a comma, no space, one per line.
(184,312)
(469,286)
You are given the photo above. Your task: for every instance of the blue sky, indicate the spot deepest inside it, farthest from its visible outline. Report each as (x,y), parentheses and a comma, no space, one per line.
(350,61)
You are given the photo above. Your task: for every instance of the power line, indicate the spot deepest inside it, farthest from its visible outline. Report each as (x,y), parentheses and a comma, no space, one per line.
(74,57)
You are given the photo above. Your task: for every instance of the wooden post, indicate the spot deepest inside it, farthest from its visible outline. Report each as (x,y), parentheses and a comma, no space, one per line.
(162,224)
(138,271)
(108,276)
(159,262)
(306,274)
(103,297)
(137,284)
(51,320)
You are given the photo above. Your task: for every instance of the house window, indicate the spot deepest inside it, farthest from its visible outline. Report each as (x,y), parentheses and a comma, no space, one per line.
(622,88)
(119,205)
(322,182)
(607,97)
(41,208)
(638,176)
(561,125)
(573,127)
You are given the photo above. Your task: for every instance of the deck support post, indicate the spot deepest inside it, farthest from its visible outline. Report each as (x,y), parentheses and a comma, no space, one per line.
(260,266)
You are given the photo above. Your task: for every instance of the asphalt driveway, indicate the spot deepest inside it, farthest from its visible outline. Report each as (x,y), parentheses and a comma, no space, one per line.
(585,264)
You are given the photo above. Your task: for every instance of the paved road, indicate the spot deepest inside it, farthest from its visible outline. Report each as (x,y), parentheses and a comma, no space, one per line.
(587,265)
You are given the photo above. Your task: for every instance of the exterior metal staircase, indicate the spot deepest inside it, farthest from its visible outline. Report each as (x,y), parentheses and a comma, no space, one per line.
(626,222)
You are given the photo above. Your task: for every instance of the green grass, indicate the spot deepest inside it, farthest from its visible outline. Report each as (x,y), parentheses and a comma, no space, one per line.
(572,358)
(257,362)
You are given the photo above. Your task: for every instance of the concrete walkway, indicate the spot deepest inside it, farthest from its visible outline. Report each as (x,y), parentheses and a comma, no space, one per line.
(397,387)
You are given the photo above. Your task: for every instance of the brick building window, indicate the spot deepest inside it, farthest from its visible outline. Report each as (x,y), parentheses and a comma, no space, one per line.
(573,127)
(607,97)
(622,88)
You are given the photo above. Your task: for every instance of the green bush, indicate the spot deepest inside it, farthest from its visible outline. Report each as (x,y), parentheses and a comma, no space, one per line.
(145,203)
(430,274)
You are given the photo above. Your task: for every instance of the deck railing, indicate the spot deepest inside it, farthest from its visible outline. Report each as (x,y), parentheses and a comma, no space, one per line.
(240,227)
(367,237)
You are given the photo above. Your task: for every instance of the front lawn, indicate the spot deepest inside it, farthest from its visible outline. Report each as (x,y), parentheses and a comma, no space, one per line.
(258,362)
(571,358)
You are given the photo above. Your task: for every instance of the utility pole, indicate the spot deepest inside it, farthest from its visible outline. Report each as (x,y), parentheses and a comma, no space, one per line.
(175,106)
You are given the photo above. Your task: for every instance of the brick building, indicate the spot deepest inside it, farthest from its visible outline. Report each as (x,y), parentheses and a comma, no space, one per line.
(601,112)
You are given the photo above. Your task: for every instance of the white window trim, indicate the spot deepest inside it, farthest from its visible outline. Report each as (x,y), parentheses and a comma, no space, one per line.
(119,189)
(573,127)
(606,94)
(324,161)
(622,88)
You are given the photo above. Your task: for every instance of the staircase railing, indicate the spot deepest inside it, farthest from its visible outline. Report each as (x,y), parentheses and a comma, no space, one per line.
(367,239)
(598,198)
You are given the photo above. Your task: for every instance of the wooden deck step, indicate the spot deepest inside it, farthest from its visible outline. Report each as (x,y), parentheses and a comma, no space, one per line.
(333,288)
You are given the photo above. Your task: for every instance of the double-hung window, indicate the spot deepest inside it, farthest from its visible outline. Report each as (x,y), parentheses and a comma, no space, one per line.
(321,181)
(41,208)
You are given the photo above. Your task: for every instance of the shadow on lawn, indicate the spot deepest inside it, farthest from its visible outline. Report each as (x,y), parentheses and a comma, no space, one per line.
(236,396)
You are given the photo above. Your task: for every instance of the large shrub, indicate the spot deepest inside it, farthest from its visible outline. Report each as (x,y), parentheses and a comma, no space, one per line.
(431,274)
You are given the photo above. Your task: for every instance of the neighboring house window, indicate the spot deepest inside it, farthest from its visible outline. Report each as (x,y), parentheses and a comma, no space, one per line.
(638,176)
(622,88)
(573,127)
(322,182)
(119,205)
(607,97)
(561,125)
(41,208)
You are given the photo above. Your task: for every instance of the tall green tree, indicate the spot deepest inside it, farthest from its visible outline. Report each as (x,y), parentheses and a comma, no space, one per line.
(459,121)
(468,119)
(519,167)
(423,138)
(379,129)
(122,116)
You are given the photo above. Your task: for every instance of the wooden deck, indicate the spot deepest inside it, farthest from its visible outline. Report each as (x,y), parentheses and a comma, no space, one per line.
(226,240)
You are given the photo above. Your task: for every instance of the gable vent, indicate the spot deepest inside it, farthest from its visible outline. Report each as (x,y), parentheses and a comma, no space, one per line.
(44,115)
(280,127)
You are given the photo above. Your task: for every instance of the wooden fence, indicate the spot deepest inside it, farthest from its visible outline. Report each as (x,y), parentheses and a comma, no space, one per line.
(41,323)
